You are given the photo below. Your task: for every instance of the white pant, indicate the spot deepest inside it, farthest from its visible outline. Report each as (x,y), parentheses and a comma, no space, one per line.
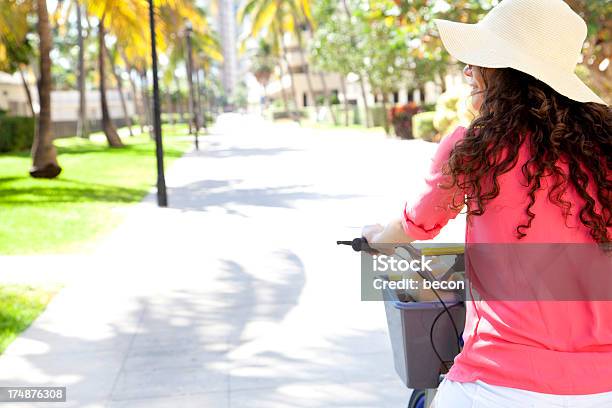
(477,394)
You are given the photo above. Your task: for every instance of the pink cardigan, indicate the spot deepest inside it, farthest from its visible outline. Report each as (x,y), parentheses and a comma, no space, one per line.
(553,347)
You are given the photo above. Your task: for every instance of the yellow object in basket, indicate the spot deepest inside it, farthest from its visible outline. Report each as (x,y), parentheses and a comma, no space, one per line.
(446,250)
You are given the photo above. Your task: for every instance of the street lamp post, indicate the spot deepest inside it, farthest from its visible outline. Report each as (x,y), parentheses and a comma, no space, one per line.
(198,92)
(204,91)
(162,197)
(192,99)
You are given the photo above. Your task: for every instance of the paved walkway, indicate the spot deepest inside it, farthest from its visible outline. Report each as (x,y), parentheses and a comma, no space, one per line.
(236,295)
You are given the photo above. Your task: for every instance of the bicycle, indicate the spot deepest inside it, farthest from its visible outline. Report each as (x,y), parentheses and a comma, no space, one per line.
(422,364)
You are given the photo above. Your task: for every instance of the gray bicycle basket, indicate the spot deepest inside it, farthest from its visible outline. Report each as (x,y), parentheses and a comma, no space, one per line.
(409,329)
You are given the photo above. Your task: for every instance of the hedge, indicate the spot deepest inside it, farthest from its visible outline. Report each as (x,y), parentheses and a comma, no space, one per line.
(16,133)
(452,110)
(423,126)
(340,114)
(289,115)
(378,115)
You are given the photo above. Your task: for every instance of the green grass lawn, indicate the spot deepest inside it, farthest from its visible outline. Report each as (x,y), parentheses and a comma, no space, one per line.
(67,213)
(19,306)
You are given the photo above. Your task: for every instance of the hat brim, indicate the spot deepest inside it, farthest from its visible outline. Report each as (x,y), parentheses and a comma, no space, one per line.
(476,45)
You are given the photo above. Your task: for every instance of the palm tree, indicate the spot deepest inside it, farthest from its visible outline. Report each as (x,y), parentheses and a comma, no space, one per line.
(60,21)
(263,66)
(14,29)
(138,103)
(327,97)
(308,26)
(44,155)
(107,123)
(124,22)
(146,100)
(277,28)
(112,57)
(83,124)
(203,40)
(15,53)
(280,17)
(274,39)
(364,94)
(298,35)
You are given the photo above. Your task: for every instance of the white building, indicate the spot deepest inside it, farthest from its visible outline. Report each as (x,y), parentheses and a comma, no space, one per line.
(65,110)
(228,29)
(64,104)
(428,94)
(13,97)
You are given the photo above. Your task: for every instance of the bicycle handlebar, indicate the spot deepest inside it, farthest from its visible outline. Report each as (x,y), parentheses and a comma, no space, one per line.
(358,244)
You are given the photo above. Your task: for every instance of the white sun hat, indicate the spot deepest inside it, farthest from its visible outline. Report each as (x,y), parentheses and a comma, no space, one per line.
(542,38)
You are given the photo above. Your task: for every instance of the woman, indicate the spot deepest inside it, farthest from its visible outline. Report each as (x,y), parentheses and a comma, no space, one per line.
(533,167)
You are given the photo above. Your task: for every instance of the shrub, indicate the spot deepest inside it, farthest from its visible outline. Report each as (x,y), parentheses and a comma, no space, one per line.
(423,126)
(353,114)
(401,118)
(356,115)
(428,107)
(300,113)
(377,115)
(452,110)
(16,133)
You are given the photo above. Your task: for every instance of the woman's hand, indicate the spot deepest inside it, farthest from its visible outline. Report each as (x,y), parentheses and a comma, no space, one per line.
(370,232)
(373,234)
(382,239)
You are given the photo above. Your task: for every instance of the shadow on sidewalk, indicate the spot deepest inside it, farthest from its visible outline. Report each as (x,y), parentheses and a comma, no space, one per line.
(216,345)
(216,151)
(206,194)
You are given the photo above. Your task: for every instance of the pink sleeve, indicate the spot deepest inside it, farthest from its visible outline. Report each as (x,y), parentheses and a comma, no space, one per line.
(429,211)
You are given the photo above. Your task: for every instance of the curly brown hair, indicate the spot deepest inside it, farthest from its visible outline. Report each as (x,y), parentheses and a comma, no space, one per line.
(562,130)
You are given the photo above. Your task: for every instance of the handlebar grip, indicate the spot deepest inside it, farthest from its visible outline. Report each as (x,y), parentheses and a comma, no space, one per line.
(358,244)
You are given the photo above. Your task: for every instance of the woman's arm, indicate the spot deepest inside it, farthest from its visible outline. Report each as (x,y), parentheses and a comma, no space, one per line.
(431,209)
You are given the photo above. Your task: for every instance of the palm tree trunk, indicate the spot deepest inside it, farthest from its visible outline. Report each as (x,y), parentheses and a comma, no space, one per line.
(307,69)
(27,91)
(126,116)
(137,104)
(211,100)
(283,92)
(107,123)
(361,80)
(82,123)
(179,100)
(346,104)
(207,111)
(144,85)
(364,95)
(311,94)
(198,91)
(295,114)
(327,98)
(169,108)
(44,155)
(385,117)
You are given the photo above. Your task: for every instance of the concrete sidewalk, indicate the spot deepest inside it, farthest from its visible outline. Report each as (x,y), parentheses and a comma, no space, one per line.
(236,295)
